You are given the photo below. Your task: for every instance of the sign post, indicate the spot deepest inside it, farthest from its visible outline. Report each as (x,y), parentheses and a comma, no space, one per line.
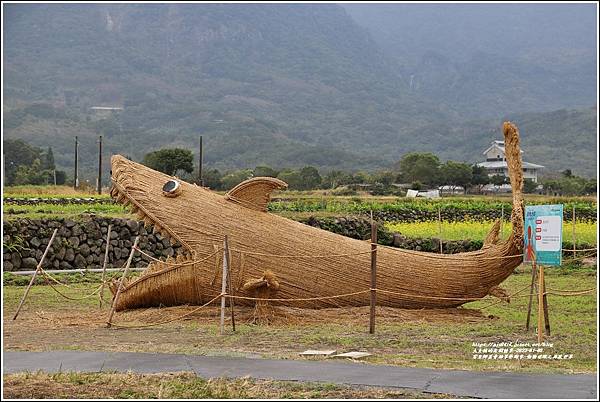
(543,246)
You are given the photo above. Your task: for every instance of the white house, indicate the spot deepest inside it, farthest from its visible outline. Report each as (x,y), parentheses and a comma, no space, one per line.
(495,163)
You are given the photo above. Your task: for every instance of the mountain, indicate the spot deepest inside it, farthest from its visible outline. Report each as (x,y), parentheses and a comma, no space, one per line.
(279,84)
(490,59)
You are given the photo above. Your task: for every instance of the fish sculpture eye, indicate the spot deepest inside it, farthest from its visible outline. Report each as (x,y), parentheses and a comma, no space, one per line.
(172,188)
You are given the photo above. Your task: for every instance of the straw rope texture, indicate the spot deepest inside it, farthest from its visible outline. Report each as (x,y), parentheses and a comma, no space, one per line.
(309,263)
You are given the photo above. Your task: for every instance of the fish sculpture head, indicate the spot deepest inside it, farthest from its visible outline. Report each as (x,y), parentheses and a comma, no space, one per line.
(173,206)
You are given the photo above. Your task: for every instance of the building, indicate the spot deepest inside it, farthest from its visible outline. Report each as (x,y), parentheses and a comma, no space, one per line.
(495,163)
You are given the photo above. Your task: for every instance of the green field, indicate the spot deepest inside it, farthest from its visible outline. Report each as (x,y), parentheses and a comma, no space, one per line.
(585,232)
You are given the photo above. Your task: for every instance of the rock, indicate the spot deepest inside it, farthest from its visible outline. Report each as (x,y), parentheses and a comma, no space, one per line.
(124,234)
(84,250)
(65,265)
(117,252)
(74,240)
(77,231)
(132,226)
(69,223)
(166,243)
(89,259)
(56,264)
(28,263)
(7,266)
(114,243)
(39,254)
(113,235)
(35,242)
(80,261)
(168,252)
(16,260)
(69,255)
(60,254)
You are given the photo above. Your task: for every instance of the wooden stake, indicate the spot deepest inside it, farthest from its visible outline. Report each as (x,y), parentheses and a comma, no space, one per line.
(37,269)
(502,221)
(223,286)
(574,239)
(533,276)
(540,304)
(440,229)
(116,299)
(229,286)
(546,316)
(104,264)
(373,274)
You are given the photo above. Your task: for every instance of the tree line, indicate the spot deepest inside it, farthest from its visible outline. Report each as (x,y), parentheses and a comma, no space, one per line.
(26,164)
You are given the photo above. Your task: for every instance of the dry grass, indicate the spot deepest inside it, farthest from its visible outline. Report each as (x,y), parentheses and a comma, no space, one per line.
(414,338)
(184,386)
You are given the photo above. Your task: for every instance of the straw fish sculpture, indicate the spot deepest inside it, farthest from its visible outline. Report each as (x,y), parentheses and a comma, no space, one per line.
(308,263)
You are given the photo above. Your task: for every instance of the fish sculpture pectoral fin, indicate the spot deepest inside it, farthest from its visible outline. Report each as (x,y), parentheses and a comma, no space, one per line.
(255,193)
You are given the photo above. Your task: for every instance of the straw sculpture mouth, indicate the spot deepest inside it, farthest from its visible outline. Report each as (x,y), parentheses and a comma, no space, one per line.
(124,190)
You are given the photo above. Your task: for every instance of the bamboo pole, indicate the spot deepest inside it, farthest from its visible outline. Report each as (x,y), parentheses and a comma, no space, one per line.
(373,275)
(229,285)
(37,269)
(104,264)
(541,304)
(223,287)
(440,229)
(533,276)
(116,299)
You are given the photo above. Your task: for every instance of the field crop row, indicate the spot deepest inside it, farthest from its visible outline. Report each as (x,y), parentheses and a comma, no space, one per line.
(585,232)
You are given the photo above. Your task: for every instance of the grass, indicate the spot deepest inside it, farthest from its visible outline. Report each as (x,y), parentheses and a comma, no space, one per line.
(68,211)
(477,230)
(184,385)
(415,338)
(50,191)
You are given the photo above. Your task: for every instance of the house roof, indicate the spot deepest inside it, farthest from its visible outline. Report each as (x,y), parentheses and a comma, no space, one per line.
(503,164)
(497,144)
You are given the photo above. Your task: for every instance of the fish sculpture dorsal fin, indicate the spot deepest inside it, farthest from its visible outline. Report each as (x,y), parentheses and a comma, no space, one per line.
(255,193)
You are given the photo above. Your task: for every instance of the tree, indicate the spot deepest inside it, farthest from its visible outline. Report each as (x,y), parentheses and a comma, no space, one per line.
(212,179)
(567,173)
(292,178)
(264,171)
(335,178)
(310,177)
(234,178)
(417,166)
(498,180)
(529,186)
(17,153)
(480,177)
(48,160)
(169,160)
(456,174)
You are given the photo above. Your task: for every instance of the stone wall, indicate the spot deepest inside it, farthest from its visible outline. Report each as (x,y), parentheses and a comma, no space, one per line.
(79,244)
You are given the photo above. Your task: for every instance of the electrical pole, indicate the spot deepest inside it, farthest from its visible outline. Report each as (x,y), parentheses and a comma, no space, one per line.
(200,181)
(100,165)
(76,175)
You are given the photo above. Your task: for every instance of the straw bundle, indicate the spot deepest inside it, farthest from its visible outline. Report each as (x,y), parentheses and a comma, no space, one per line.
(307,261)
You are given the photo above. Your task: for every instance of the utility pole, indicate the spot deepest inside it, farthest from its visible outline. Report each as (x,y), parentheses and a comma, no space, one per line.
(100,165)
(200,181)
(76,175)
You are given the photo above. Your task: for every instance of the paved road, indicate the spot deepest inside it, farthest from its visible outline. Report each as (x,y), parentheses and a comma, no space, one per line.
(463,383)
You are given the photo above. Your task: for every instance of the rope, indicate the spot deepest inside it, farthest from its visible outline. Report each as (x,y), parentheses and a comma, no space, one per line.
(167,321)
(187,262)
(94,293)
(299,299)
(445,256)
(300,256)
(578,250)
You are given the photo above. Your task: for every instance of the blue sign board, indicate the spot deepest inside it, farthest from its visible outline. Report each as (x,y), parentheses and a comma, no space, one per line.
(543,234)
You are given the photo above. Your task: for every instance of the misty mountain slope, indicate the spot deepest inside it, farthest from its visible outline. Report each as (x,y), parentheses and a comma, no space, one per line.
(491,59)
(278,84)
